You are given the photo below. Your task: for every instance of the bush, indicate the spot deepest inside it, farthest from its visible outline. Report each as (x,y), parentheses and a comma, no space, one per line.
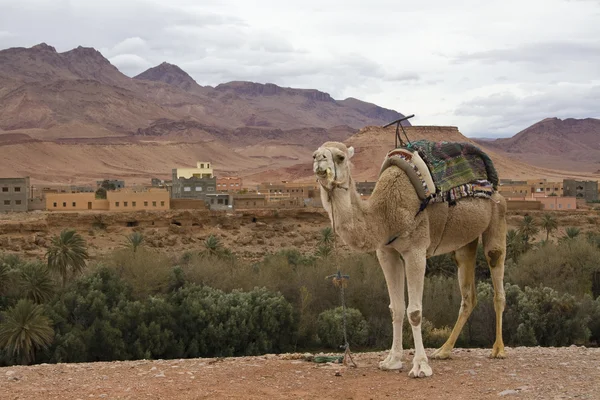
(213,323)
(331,328)
(568,267)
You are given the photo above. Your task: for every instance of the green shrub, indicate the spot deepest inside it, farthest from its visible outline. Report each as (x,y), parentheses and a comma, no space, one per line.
(331,328)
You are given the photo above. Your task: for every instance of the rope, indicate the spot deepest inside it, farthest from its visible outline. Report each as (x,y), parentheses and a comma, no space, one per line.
(339,279)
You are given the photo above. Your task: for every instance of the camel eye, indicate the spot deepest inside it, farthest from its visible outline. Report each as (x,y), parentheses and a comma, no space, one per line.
(340,158)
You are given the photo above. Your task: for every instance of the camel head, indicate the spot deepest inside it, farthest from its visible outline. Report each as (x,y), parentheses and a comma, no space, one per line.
(331,164)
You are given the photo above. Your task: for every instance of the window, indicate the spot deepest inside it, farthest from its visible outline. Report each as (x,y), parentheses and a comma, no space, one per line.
(220,201)
(153,204)
(201,165)
(116,204)
(18,202)
(569,205)
(7,202)
(210,189)
(187,189)
(5,189)
(212,201)
(145,204)
(18,189)
(162,203)
(560,206)
(124,204)
(198,188)
(54,205)
(74,204)
(133,204)
(64,204)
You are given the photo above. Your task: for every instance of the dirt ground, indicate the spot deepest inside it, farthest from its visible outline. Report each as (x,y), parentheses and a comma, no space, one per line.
(526,373)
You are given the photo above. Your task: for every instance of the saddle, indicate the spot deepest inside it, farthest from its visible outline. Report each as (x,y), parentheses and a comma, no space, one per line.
(445,171)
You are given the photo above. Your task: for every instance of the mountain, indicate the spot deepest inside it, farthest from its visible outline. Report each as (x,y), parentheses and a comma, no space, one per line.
(73,117)
(170,74)
(372,143)
(40,87)
(571,144)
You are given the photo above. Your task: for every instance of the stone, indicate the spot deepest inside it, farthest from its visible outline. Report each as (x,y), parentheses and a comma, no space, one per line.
(508,392)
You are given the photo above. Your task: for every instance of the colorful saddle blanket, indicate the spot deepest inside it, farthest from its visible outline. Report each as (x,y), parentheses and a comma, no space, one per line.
(445,171)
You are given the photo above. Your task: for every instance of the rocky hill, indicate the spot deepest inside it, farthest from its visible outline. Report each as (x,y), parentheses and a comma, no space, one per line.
(570,144)
(372,143)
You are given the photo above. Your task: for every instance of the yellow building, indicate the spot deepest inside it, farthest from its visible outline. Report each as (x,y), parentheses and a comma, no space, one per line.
(74,202)
(203,170)
(136,200)
(543,186)
(122,200)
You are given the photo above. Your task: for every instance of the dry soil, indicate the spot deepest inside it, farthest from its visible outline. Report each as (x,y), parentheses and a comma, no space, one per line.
(526,373)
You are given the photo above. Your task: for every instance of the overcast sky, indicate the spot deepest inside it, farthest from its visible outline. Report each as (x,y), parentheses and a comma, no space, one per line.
(489,67)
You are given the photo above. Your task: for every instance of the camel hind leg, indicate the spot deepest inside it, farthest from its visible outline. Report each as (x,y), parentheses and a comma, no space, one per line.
(494,246)
(465,258)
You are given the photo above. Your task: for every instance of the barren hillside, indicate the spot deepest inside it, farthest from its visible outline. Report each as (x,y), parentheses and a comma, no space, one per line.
(569,144)
(371,144)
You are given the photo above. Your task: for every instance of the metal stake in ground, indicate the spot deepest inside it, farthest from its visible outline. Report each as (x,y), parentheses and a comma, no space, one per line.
(340,281)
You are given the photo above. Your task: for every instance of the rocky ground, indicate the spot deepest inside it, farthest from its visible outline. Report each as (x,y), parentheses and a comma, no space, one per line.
(526,373)
(250,234)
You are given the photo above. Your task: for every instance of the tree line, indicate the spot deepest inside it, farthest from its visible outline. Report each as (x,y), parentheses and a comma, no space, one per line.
(138,303)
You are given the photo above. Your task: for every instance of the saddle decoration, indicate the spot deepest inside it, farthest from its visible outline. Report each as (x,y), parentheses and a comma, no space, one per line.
(445,171)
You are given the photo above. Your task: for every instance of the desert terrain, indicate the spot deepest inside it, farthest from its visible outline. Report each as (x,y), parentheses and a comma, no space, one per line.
(72,118)
(527,373)
(250,234)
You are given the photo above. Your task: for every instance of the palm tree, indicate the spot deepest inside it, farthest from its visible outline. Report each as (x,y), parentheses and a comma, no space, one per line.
(4,277)
(528,229)
(514,244)
(67,253)
(36,283)
(212,244)
(324,251)
(326,236)
(135,240)
(549,224)
(24,329)
(572,232)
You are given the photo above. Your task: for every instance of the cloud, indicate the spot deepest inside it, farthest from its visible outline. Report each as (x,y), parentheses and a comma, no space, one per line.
(553,53)
(505,113)
(130,62)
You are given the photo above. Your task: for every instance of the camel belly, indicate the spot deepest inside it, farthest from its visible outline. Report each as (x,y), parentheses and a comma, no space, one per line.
(454,227)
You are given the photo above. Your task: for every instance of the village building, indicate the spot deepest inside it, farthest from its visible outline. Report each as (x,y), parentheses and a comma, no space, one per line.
(14,194)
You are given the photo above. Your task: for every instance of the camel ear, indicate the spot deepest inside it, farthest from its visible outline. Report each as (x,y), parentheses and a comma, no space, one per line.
(350,151)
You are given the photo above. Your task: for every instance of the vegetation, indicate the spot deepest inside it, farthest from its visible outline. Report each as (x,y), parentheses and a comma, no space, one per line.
(67,254)
(134,241)
(139,303)
(25,328)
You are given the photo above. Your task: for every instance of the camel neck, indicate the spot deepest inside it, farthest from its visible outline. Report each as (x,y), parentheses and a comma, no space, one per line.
(353,221)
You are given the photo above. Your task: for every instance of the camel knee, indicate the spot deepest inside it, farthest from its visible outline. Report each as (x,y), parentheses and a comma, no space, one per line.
(493,257)
(397,313)
(414,317)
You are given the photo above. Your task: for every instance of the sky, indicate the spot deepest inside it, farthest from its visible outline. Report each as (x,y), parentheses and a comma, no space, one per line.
(491,68)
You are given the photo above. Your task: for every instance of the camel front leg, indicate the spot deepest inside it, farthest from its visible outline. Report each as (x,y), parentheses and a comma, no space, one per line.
(393,270)
(414,265)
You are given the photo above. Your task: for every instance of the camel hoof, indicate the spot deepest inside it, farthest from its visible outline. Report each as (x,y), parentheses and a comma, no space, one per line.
(498,353)
(441,354)
(393,362)
(420,370)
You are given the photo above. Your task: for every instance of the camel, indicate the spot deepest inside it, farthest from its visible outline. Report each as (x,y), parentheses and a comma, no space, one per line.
(390,224)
